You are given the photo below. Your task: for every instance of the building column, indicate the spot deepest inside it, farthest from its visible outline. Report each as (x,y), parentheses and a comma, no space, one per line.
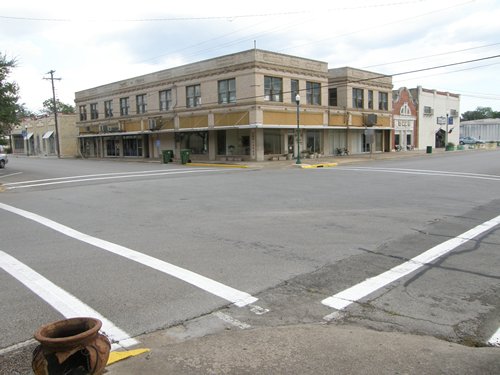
(212,144)
(257,139)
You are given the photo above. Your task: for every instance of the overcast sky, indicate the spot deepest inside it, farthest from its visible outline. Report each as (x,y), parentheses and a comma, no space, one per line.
(93,43)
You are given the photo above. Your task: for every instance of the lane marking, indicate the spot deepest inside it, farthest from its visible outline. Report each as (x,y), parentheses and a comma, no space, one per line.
(425,172)
(229,319)
(353,294)
(65,180)
(11,174)
(65,303)
(20,345)
(228,293)
(90,175)
(495,339)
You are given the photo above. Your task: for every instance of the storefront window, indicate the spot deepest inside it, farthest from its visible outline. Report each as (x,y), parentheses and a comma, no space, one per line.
(273,142)
(314,141)
(197,142)
(233,142)
(132,146)
(112,147)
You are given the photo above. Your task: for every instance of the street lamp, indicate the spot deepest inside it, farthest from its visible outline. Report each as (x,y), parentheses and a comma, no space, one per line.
(446,135)
(27,140)
(297,100)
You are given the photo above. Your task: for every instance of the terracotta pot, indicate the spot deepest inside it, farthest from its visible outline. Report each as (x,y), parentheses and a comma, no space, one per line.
(71,346)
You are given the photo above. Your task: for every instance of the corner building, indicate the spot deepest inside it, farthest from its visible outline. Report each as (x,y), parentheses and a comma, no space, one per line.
(238,107)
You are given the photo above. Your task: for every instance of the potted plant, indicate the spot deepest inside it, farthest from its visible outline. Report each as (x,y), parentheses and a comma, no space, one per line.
(450,146)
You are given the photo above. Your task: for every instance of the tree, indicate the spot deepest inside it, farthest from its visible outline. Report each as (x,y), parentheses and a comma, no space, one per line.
(480,113)
(48,107)
(9,107)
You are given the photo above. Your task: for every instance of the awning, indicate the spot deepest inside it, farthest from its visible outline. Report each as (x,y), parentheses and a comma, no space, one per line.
(28,136)
(48,134)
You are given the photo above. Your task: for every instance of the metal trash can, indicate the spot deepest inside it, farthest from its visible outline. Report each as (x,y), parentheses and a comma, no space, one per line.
(429,149)
(167,156)
(185,156)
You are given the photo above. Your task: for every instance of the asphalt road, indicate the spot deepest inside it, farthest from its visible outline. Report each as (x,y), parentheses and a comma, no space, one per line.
(150,246)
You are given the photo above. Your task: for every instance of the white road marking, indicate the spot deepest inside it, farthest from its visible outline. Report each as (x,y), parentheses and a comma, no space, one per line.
(228,319)
(228,293)
(257,310)
(68,305)
(421,172)
(353,294)
(11,174)
(495,339)
(18,346)
(110,176)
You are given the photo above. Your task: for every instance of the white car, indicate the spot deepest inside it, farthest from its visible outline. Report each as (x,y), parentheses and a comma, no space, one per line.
(3,160)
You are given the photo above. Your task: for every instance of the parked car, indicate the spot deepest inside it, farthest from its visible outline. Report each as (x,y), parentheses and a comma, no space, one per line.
(3,160)
(470,141)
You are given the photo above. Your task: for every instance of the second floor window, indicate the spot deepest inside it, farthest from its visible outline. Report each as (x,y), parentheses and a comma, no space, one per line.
(94,113)
(193,96)
(165,100)
(332,97)
(357,98)
(140,101)
(227,91)
(313,90)
(83,113)
(383,101)
(108,108)
(370,99)
(294,88)
(124,106)
(273,89)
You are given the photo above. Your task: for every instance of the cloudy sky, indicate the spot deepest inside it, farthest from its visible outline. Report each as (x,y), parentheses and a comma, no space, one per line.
(93,43)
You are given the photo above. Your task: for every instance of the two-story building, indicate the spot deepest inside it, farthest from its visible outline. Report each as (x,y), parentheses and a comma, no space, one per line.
(238,107)
(431,118)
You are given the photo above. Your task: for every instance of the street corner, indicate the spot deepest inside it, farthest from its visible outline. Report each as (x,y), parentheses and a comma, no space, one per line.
(320,165)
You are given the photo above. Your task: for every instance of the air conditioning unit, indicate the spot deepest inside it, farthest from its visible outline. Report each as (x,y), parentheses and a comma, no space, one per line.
(371,119)
(428,111)
(152,124)
(453,113)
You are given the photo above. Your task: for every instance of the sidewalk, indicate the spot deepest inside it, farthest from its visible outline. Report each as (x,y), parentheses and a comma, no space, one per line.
(339,160)
(308,349)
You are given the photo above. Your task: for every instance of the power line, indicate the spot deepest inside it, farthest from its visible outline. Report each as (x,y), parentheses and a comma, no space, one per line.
(427,56)
(222,17)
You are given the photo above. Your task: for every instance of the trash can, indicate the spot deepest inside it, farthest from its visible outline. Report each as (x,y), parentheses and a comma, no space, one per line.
(429,149)
(185,156)
(167,155)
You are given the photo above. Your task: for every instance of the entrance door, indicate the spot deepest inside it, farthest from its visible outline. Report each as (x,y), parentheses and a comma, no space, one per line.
(291,144)
(440,138)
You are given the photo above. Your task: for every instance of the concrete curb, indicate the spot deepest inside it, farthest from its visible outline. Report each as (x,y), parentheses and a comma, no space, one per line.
(321,165)
(217,165)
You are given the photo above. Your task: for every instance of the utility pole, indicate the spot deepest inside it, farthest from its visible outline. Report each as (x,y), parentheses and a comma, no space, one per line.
(55,110)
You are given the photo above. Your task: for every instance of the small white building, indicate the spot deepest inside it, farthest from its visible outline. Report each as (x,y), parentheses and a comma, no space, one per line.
(438,118)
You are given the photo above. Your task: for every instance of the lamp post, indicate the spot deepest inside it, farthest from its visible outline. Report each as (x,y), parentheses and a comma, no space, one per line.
(446,135)
(27,140)
(297,100)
